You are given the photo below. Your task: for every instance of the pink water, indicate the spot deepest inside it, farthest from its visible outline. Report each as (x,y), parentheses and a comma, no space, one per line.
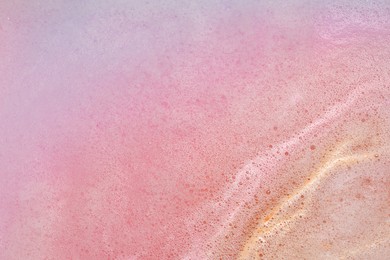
(194,130)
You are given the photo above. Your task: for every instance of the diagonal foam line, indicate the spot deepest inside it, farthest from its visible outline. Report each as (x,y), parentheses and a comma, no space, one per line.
(308,188)
(334,112)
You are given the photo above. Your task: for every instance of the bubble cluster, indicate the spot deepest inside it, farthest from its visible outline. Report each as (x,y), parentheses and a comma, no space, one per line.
(168,130)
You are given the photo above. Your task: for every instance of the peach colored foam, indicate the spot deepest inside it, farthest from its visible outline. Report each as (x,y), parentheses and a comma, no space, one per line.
(202,130)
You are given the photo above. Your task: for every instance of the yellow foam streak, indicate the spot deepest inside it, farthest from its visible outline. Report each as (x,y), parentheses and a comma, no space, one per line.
(279,218)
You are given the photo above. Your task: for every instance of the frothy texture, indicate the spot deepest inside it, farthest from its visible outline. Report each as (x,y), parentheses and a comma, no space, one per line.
(198,130)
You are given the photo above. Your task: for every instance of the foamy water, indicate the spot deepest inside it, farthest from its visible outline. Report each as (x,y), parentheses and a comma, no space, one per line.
(194,130)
